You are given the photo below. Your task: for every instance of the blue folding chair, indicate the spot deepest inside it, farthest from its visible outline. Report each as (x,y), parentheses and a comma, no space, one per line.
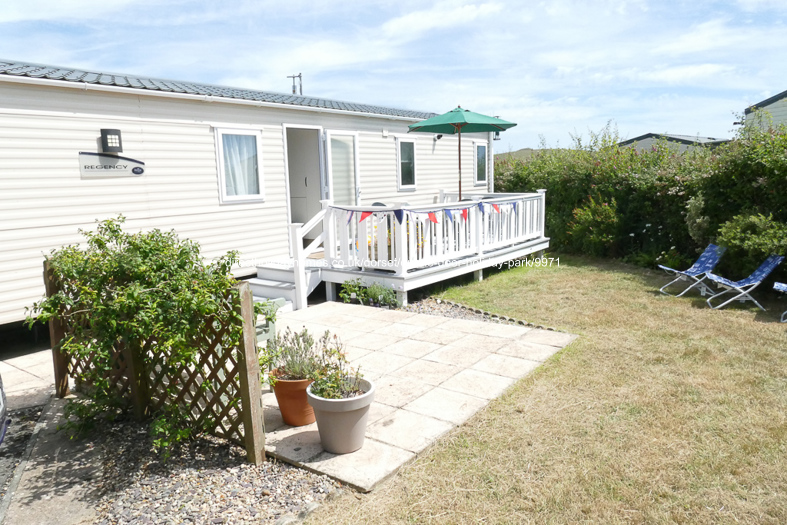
(781,287)
(745,286)
(707,262)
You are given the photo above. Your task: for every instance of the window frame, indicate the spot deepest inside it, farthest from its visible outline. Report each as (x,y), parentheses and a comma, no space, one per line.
(238,199)
(476,145)
(399,142)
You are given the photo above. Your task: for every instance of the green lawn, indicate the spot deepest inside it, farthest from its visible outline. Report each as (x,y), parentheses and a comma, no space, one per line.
(663,411)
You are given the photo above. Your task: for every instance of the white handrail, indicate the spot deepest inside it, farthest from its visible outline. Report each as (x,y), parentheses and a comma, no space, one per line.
(401,237)
(495,198)
(298,233)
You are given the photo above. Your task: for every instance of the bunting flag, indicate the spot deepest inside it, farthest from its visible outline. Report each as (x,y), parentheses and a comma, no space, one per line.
(399,214)
(514,205)
(464,214)
(364,215)
(496,207)
(481,207)
(448,214)
(349,216)
(432,217)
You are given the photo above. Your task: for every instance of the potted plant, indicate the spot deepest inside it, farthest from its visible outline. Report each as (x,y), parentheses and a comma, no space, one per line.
(341,399)
(293,361)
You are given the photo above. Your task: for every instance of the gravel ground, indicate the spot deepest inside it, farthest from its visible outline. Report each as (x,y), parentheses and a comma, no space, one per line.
(205,481)
(208,481)
(433,306)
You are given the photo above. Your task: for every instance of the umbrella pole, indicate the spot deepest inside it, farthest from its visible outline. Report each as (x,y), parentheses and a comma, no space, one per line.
(460,162)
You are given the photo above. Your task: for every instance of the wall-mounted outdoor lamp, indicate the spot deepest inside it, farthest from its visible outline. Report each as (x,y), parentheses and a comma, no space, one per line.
(438,137)
(111,141)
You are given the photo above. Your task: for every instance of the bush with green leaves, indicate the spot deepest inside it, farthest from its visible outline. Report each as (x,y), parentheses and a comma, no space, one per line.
(750,239)
(667,203)
(121,291)
(594,229)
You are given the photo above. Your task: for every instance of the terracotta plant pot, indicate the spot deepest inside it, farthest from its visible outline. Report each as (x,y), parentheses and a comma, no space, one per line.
(291,395)
(342,422)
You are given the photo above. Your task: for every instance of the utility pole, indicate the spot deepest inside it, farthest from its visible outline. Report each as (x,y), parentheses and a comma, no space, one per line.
(299,76)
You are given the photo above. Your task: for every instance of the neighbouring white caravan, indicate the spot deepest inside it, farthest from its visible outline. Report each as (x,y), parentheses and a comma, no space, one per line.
(234,169)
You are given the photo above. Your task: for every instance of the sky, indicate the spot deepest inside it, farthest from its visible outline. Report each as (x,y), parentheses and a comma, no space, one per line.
(559,69)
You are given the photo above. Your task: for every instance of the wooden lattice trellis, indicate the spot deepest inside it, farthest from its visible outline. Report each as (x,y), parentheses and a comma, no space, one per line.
(222,388)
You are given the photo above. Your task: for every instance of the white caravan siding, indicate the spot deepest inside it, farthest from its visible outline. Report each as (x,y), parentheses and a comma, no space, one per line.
(44,200)
(436,167)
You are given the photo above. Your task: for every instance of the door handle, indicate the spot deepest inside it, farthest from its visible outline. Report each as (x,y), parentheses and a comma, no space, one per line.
(306,181)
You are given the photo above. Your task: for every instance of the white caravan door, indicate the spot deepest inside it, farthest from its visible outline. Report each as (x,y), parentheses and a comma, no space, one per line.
(343,176)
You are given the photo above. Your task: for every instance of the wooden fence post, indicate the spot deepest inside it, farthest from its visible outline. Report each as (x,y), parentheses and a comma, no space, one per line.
(56,334)
(250,387)
(138,378)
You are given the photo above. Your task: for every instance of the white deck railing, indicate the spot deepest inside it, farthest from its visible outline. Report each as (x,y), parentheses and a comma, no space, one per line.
(402,238)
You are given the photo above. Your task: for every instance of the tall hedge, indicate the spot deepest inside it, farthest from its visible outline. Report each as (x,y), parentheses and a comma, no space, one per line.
(660,205)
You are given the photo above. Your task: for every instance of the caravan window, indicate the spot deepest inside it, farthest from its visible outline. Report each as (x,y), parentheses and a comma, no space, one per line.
(406,166)
(240,165)
(480,163)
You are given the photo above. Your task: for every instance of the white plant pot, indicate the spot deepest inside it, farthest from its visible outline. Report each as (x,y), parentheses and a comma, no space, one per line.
(342,422)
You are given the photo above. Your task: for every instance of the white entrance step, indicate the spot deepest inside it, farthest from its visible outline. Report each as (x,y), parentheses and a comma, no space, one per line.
(272,289)
(285,274)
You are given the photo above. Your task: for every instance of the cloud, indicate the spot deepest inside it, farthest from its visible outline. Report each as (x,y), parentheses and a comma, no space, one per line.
(552,66)
(684,75)
(442,15)
(27,10)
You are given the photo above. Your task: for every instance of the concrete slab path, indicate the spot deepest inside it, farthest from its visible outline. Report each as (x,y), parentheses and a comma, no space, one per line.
(28,379)
(432,373)
(58,483)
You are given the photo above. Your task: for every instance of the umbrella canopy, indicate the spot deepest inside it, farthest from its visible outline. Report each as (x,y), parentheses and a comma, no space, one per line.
(461,120)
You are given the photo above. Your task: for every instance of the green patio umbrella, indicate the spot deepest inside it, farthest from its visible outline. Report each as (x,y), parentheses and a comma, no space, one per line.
(457,121)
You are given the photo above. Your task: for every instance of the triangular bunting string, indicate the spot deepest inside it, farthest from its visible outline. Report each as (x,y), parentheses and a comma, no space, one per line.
(464,213)
(513,204)
(350,216)
(399,214)
(365,215)
(496,207)
(481,207)
(448,214)
(432,217)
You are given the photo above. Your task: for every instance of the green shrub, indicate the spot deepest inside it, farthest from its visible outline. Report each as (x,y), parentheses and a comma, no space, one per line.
(666,202)
(594,229)
(124,289)
(749,177)
(750,239)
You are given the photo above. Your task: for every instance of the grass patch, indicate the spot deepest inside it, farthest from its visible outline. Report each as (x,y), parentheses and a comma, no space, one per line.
(663,411)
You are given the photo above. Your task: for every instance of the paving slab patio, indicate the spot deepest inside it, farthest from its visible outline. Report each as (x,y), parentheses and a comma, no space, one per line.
(427,371)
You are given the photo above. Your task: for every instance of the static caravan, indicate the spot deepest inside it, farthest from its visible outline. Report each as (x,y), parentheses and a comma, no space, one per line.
(308,190)
(768,113)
